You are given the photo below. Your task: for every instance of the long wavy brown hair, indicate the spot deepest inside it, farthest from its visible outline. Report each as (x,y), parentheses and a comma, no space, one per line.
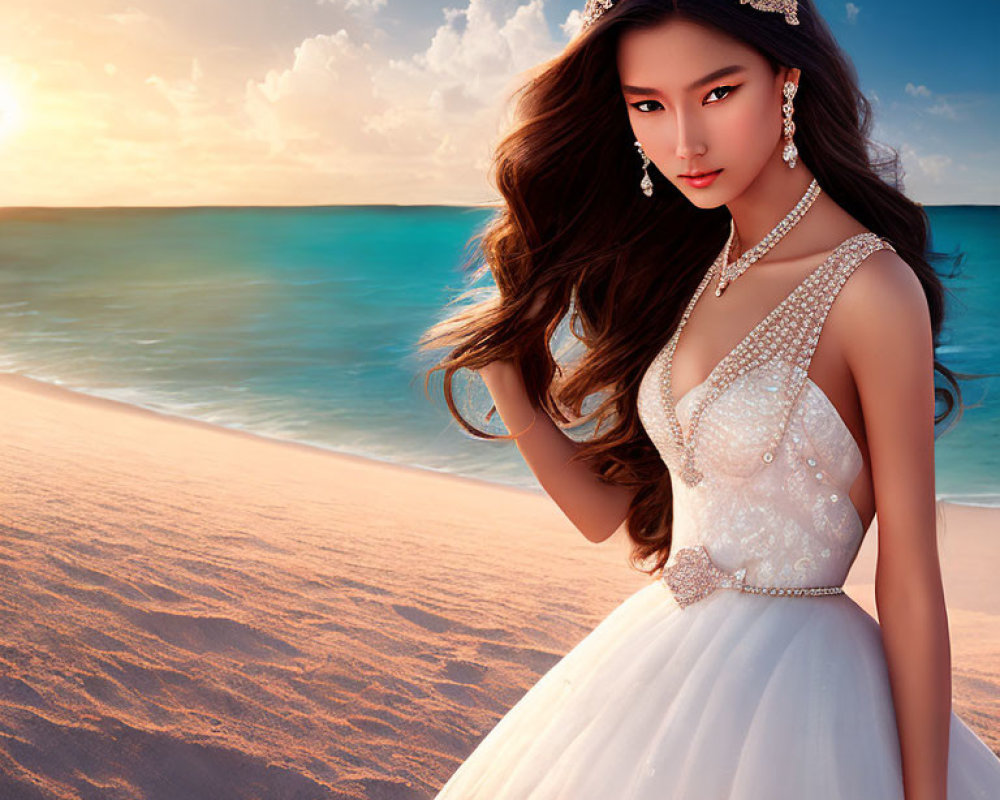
(574,234)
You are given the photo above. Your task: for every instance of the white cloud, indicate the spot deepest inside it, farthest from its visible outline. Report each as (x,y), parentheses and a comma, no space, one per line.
(918,91)
(935,165)
(928,165)
(351,5)
(852,12)
(418,124)
(183,94)
(573,24)
(323,97)
(131,16)
(943,109)
(483,56)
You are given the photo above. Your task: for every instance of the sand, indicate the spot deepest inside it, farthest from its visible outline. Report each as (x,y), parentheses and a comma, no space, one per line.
(192,612)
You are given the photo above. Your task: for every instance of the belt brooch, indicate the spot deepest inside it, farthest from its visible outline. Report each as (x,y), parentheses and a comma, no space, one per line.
(693,576)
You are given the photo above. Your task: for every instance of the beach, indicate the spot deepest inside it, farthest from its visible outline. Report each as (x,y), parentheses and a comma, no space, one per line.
(194,611)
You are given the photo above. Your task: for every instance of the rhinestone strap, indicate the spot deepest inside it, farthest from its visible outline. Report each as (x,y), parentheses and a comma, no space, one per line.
(693,576)
(789,333)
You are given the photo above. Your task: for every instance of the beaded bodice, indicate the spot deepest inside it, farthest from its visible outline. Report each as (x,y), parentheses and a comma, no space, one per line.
(760,461)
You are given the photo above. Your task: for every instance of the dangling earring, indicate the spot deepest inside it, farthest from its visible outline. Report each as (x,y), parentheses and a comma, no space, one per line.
(646,184)
(791,152)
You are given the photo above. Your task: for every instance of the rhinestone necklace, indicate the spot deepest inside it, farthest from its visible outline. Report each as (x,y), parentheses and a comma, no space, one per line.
(730,272)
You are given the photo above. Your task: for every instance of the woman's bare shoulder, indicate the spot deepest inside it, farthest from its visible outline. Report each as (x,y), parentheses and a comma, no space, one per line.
(883,282)
(883,315)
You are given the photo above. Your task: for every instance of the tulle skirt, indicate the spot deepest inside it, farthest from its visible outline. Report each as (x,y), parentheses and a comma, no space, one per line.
(736,697)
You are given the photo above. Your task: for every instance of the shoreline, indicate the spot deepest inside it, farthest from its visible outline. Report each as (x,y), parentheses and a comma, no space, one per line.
(29,384)
(45,388)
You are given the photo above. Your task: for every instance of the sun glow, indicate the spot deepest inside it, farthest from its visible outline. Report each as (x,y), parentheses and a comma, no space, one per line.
(10,111)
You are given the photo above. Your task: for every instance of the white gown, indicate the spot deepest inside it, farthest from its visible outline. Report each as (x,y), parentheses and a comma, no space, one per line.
(732,695)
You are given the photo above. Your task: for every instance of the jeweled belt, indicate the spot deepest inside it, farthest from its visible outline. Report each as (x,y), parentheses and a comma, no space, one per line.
(693,576)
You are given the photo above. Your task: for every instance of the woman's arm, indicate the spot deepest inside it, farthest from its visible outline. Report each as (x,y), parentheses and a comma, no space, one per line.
(596,508)
(890,353)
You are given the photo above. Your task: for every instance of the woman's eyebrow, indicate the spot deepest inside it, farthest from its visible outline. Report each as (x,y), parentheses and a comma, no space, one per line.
(719,73)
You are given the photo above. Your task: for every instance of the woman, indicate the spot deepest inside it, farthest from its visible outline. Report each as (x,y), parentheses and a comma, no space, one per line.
(755,425)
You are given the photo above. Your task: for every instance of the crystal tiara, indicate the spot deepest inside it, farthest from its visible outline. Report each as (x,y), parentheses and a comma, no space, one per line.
(594,8)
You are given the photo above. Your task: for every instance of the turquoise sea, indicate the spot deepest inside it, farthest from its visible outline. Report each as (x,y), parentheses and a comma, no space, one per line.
(300,323)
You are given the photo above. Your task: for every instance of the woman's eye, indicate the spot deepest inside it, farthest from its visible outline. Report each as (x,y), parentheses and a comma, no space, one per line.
(638,106)
(725,89)
(645,105)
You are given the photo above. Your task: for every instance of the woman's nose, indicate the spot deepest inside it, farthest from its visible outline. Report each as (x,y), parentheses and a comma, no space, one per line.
(690,143)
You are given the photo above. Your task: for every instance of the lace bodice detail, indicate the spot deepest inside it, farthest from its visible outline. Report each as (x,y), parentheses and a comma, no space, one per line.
(760,461)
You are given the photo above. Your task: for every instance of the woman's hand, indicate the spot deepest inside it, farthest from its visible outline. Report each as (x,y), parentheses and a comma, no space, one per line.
(503,374)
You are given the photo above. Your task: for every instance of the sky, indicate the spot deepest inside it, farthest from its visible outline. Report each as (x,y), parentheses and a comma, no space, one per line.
(315,102)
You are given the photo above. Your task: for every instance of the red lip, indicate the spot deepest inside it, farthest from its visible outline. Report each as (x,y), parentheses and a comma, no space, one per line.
(699,180)
(699,174)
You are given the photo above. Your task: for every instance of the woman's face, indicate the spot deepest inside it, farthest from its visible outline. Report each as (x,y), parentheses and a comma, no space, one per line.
(700,101)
